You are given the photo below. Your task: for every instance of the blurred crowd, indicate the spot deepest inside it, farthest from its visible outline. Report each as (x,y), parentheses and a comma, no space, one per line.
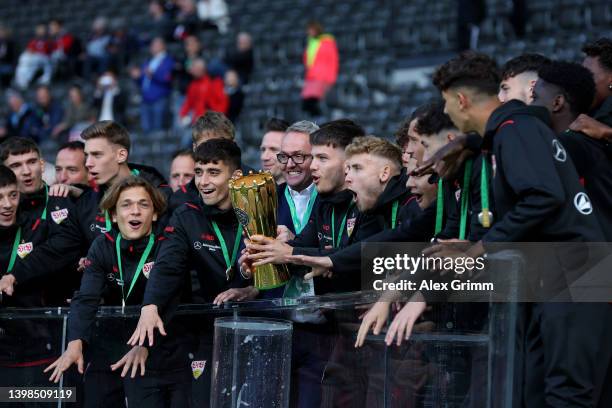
(174,88)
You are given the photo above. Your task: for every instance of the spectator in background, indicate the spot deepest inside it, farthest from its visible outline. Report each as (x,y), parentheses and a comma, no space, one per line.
(8,57)
(182,169)
(321,63)
(186,20)
(34,58)
(22,121)
(203,94)
(97,57)
(214,14)
(77,114)
(109,102)
(241,58)
(192,50)
(233,90)
(49,111)
(64,47)
(122,44)
(271,145)
(70,164)
(155,81)
(160,24)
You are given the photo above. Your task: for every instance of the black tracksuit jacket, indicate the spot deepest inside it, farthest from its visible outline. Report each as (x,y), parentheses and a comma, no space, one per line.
(593,161)
(537,196)
(191,244)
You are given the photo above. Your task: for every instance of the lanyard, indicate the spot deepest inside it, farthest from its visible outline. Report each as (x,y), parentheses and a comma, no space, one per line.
(44,213)
(14,252)
(299,224)
(484,195)
(465,194)
(107,222)
(141,263)
(394,213)
(228,261)
(336,241)
(439,207)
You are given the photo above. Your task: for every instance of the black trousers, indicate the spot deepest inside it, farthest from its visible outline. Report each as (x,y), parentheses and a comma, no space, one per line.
(567,353)
(160,389)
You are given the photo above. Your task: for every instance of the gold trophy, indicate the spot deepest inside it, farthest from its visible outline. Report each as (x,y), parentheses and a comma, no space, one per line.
(255,202)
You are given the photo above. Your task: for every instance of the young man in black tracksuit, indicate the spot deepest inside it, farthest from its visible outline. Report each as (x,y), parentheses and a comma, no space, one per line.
(567,89)
(41,212)
(205,237)
(107,147)
(537,198)
(28,345)
(117,268)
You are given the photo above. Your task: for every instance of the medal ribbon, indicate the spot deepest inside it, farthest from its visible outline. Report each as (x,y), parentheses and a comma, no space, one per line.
(336,241)
(14,252)
(141,263)
(44,213)
(228,262)
(484,194)
(299,224)
(394,213)
(439,207)
(465,194)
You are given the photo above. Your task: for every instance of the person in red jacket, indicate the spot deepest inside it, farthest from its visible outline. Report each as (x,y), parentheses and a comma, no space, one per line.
(63,45)
(321,63)
(33,58)
(204,93)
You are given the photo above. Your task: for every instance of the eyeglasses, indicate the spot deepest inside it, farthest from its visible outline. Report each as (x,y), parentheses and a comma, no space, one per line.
(297,158)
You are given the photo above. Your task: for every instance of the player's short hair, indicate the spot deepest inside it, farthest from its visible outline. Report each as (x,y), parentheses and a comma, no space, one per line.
(375,146)
(109,130)
(470,69)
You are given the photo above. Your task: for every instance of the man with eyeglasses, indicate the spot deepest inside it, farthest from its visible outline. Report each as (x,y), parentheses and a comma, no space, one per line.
(297,196)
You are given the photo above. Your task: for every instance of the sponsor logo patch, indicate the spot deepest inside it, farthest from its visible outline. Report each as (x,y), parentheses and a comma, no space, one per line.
(559,152)
(582,202)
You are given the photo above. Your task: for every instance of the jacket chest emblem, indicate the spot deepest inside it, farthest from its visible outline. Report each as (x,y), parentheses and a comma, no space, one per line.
(350,225)
(59,215)
(146,269)
(24,249)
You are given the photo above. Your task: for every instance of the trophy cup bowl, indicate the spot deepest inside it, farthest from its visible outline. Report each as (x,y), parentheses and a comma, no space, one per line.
(255,201)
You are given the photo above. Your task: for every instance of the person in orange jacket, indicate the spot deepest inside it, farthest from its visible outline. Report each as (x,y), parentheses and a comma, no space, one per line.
(204,93)
(321,63)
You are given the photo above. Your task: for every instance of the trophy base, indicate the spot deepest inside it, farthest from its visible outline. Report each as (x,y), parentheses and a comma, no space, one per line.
(270,276)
